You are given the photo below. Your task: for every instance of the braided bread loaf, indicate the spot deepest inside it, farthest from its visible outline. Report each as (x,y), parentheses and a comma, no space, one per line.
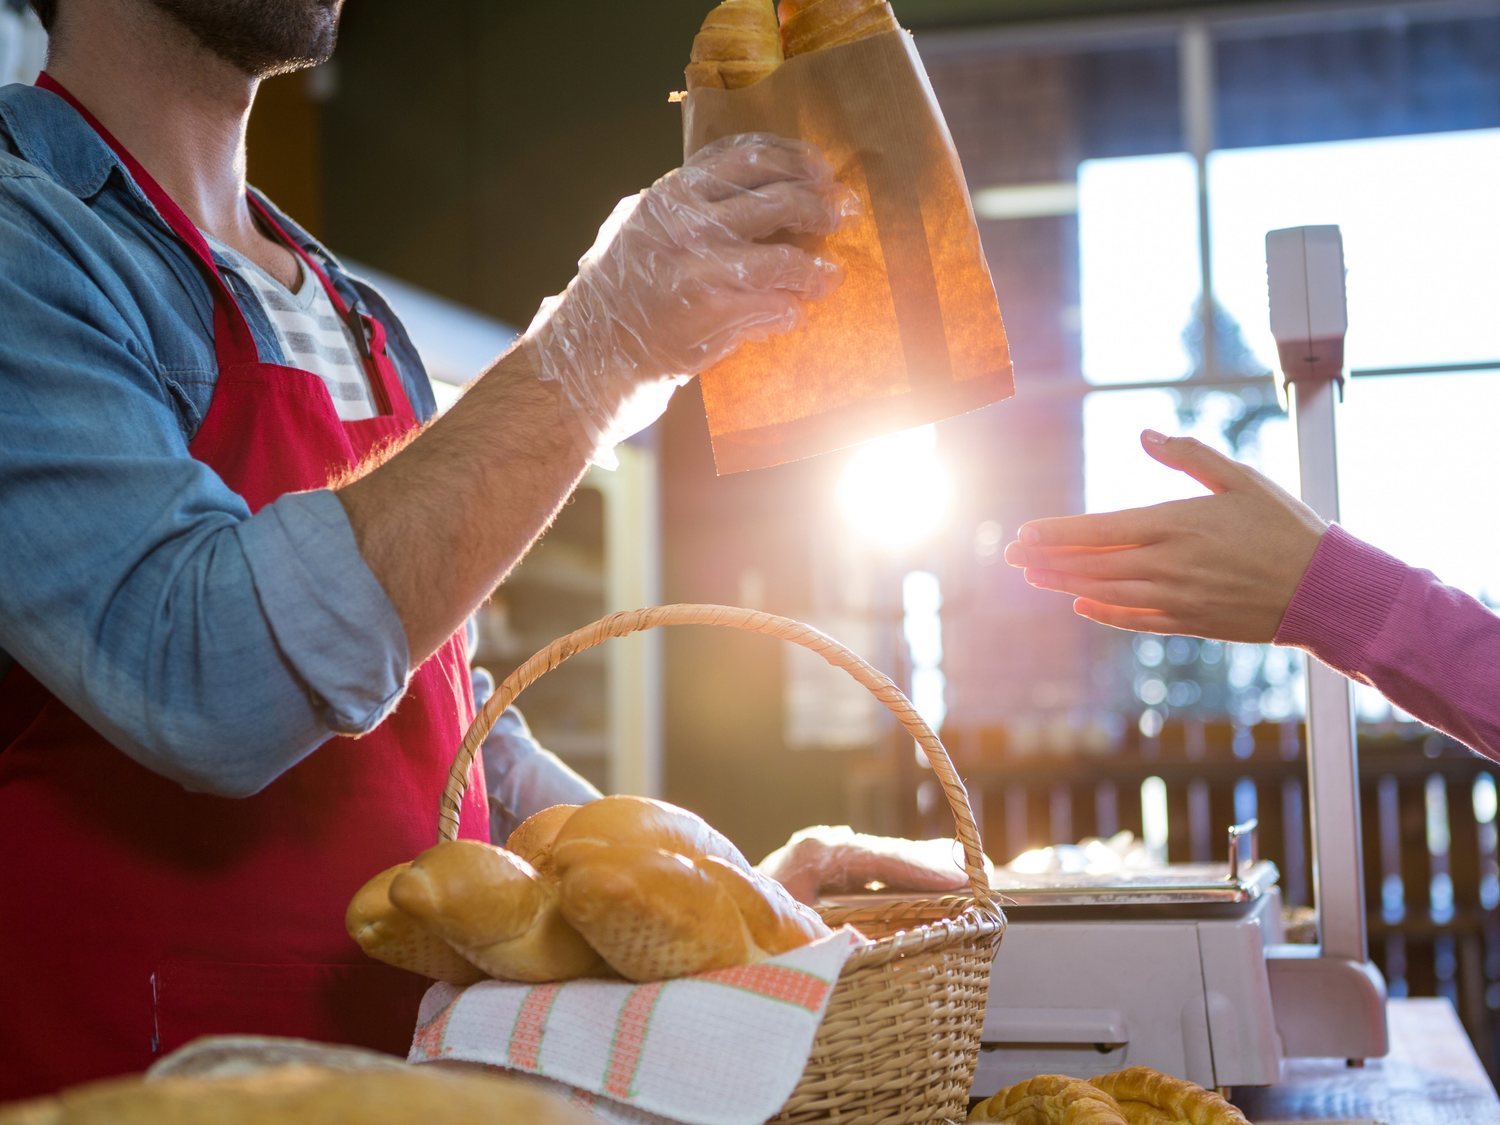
(623,885)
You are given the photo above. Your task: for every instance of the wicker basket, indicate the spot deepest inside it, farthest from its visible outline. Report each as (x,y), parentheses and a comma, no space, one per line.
(900,1038)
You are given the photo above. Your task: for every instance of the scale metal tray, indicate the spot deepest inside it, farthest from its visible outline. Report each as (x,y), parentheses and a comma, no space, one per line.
(1159,890)
(1199,889)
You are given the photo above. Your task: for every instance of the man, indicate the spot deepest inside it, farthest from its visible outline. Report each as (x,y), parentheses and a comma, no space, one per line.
(189,612)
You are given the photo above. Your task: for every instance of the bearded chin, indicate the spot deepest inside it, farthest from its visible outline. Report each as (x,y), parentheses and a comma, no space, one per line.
(261,37)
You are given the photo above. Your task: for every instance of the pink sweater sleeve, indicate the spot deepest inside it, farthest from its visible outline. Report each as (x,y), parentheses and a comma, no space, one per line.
(1430,649)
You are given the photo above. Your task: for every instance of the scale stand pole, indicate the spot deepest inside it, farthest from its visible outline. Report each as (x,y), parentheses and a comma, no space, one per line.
(1305,268)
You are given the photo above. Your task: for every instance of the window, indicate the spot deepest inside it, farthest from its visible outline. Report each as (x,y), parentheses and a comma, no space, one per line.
(1386,123)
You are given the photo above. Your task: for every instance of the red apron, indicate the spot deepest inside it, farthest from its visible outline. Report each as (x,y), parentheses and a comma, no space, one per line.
(134,915)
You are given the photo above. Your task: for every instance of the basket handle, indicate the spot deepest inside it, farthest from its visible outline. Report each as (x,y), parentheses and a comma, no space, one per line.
(753,621)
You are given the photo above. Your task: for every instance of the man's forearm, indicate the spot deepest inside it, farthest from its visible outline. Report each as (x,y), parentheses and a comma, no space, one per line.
(443,521)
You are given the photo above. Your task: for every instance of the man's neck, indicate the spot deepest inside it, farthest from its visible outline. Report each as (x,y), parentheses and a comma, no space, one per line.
(180,110)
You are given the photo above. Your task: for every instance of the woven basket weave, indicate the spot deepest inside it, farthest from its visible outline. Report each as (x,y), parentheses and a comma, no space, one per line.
(900,1038)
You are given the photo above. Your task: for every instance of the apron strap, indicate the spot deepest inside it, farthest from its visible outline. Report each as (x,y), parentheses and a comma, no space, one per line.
(233,341)
(368,333)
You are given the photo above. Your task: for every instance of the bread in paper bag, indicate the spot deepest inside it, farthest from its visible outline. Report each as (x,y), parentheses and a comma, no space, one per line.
(738,45)
(914,333)
(822,24)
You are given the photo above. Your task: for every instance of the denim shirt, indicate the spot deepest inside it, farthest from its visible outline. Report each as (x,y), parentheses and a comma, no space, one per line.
(214,647)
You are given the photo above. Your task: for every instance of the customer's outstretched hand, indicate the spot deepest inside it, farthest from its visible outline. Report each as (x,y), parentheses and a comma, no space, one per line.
(1224,565)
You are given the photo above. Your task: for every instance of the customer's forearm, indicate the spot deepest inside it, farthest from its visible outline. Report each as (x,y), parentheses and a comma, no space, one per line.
(444,520)
(1432,650)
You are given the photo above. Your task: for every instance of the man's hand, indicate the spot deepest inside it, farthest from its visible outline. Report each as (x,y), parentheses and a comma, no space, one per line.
(676,280)
(679,277)
(834,859)
(1222,566)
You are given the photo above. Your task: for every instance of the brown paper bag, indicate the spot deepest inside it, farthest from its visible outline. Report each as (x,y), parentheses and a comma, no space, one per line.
(913,335)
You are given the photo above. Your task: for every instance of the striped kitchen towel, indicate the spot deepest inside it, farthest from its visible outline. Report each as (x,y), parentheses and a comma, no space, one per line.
(719,1048)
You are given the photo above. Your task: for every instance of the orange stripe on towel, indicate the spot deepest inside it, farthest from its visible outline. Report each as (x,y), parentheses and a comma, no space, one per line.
(775,982)
(630,1038)
(531,1021)
(429,1038)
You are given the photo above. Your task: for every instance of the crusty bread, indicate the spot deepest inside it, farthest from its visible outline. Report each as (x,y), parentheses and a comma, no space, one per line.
(533,837)
(1149,1097)
(389,934)
(1050,1099)
(738,45)
(229,1056)
(495,910)
(301,1095)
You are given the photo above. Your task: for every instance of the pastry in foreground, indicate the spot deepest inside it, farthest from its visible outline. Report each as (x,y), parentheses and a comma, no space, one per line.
(287,1095)
(1149,1097)
(1050,1099)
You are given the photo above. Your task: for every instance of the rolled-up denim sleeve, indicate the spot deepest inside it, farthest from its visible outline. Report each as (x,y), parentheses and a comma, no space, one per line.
(214,647)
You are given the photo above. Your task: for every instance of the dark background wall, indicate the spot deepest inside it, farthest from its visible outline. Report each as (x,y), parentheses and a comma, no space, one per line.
(474,148)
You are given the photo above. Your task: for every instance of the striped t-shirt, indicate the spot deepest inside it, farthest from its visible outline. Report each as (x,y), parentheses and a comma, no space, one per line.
(313,336)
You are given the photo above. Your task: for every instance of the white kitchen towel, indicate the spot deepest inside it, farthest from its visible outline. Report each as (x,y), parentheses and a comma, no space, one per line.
(719,1048)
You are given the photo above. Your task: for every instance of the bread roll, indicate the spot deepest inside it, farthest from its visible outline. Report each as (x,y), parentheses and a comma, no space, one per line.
(300,1095)
(738,45)
(495,910)
(1049,1099)
(388,934)
(533,837)
(1149,1097)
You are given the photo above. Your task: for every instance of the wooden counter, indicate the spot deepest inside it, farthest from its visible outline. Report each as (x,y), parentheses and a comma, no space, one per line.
(1431,1077)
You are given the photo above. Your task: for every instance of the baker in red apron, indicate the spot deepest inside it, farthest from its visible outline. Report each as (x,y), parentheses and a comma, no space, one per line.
(135,915)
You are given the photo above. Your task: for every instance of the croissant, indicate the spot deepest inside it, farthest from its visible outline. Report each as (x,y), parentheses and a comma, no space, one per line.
(1149,1097)
(738,45)
(821,24)
(1050,1099)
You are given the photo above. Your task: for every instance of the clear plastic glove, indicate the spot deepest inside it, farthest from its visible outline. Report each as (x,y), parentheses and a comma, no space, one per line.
(678,278)
(834,859)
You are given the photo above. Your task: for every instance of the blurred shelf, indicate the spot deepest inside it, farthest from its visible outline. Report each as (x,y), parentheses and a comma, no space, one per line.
(600,710)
